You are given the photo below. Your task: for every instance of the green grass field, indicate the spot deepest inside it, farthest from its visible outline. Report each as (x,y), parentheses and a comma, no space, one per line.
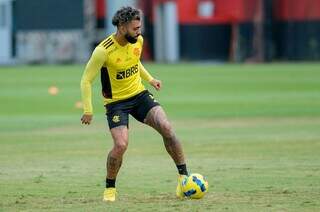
(252,130)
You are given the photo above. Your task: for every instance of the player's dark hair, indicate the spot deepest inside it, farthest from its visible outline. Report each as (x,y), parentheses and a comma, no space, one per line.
(125,15)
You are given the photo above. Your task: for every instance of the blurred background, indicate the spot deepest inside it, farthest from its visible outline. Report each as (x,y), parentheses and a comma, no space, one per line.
(58,31)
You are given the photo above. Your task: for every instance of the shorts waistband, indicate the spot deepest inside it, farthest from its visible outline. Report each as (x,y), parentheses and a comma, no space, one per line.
(128,99)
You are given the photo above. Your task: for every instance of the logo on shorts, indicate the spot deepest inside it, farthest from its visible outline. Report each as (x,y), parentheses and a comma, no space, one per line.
(116,119)
(152,98)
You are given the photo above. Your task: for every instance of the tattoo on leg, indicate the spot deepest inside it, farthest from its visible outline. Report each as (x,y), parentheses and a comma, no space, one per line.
(174,148)
(114,159)
(113,166)
(157,119)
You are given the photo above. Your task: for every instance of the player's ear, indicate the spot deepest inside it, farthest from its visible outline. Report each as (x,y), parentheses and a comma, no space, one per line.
(122,29)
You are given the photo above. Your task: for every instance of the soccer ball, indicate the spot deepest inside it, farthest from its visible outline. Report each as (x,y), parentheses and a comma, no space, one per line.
(194,186)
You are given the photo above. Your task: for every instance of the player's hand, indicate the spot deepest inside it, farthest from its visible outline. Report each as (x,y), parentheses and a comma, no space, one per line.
(156,84)
(86,119)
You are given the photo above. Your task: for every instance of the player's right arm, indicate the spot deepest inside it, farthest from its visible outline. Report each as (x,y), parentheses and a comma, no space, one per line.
(91,71)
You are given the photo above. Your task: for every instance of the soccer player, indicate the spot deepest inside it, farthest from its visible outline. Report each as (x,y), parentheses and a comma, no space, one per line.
(117,59)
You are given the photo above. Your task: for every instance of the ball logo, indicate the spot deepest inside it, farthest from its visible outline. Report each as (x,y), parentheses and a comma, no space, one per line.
(190,192)
(199,183)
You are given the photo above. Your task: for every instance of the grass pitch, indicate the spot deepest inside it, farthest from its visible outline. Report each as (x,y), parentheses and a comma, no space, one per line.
(251,130)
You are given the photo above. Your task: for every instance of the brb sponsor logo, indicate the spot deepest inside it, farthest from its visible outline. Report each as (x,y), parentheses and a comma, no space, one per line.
(127,73)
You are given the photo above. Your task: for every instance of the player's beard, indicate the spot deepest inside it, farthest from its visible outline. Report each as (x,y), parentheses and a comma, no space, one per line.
(130,39)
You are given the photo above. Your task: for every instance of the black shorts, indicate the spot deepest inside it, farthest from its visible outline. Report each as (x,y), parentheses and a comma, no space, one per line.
(138,106)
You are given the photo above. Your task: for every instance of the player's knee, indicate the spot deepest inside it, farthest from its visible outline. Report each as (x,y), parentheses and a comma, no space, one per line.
(120,147)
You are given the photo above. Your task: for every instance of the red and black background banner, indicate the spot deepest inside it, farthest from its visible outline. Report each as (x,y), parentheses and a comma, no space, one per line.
(291,28)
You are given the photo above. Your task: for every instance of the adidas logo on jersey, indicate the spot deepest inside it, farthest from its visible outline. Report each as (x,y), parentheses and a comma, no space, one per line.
(127,73)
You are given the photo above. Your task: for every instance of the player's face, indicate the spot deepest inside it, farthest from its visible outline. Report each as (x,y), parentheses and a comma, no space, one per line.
(132,31)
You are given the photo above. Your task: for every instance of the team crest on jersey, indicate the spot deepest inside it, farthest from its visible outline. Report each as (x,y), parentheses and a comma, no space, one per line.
(118,60)
(116,119)
(136,52)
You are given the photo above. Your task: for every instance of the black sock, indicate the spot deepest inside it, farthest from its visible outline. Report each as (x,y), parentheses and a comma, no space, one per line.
(182,169)
(110,183)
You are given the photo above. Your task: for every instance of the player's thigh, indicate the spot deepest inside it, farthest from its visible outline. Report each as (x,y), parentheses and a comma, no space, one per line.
(157,119)
(117,116)
(120,135)
(118,121)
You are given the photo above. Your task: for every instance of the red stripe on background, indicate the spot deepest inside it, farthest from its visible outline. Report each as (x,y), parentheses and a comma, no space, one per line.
(225,11)
(100,8)
(297,10)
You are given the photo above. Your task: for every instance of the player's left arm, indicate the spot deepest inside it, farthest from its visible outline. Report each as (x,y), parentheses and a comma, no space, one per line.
(145,75)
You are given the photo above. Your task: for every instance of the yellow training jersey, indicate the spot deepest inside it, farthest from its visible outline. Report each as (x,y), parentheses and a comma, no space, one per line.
(120,70)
